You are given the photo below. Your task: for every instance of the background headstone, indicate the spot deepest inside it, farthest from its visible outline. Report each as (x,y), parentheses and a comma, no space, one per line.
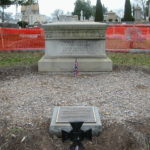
(138,13)
(81,15)
(62,18)
(75,18)
(9,25)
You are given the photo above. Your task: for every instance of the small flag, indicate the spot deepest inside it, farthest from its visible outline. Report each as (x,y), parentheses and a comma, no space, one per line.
(75,69)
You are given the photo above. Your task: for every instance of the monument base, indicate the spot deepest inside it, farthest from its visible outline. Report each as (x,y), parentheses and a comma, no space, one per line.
(67,64)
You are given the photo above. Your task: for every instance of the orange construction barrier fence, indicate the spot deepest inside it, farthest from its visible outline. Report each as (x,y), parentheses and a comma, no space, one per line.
(119,38)
(125,38)
(21,39)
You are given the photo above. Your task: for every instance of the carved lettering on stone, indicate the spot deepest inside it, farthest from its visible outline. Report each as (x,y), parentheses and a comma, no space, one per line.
(67,114)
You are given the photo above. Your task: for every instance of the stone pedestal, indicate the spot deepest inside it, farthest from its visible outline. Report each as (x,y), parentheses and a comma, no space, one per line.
(66,42)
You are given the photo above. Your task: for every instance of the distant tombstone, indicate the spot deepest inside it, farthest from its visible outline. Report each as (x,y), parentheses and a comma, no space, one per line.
(75,18)
(62,116)
(91,18)
(147,19)
(54,19)
(9,25)
(119,19)
(69,18)
(137,13)
(81,16)
(62,18)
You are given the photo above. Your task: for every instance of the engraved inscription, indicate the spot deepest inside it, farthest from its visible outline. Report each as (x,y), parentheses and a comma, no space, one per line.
(79,47)
(69,114)
(75,48)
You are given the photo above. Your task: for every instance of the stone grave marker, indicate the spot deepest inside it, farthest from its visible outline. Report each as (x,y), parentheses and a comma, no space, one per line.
(138,13)
(70,41)
(62,116)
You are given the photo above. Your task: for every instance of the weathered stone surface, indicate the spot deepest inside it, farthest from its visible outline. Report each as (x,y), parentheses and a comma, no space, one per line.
(75,49)
(75,30)
(69,114)
(65,114)
(67,64)
(66,42)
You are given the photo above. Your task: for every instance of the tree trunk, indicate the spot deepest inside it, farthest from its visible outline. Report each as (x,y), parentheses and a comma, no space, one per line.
(2,14)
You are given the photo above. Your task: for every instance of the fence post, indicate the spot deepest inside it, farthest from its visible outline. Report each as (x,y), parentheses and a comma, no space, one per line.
(1,36)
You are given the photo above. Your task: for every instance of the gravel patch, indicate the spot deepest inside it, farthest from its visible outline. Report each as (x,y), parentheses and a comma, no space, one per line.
(119,95)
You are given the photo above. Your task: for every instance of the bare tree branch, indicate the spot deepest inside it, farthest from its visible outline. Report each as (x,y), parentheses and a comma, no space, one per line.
(57,13)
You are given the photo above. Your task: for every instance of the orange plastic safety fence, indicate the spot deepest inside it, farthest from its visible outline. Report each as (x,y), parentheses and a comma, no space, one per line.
(124,38)
(21,39)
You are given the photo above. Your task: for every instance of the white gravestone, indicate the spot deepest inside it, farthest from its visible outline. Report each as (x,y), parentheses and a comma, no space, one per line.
(138,13)
(81,16)
(66,42)
(69,18)
(75,18)
(62,18)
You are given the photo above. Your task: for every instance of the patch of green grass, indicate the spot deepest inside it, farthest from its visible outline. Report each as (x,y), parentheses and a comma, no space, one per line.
(29,58)
(19,58)
(130,59)
(15,130)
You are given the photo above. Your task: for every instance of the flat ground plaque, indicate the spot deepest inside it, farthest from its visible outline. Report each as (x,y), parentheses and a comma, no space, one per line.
(69,114)
(62,116)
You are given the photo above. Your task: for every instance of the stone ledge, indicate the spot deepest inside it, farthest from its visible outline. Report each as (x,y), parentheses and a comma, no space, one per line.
(75,25)
(76,30)
(67,64)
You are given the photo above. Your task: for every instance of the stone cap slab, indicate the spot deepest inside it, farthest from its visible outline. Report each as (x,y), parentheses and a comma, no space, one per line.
(62,116)
(75,30)
(75,25)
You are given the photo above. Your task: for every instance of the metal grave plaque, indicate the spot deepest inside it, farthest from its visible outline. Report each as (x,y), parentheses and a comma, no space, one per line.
(63,115)
(76,113)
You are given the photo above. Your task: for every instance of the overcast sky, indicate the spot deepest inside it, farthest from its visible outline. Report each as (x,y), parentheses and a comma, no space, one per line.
(47,7)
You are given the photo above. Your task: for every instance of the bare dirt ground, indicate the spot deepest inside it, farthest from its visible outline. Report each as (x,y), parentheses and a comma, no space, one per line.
(27,98)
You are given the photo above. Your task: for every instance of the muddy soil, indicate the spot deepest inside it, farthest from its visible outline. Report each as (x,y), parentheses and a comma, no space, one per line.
(17,71)
(132,135)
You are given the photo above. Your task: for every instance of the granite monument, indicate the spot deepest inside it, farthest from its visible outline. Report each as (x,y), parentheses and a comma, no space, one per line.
(70,41)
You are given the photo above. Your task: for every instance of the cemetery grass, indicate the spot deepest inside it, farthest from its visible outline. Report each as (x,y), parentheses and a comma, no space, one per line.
(8,59)
(130,59)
